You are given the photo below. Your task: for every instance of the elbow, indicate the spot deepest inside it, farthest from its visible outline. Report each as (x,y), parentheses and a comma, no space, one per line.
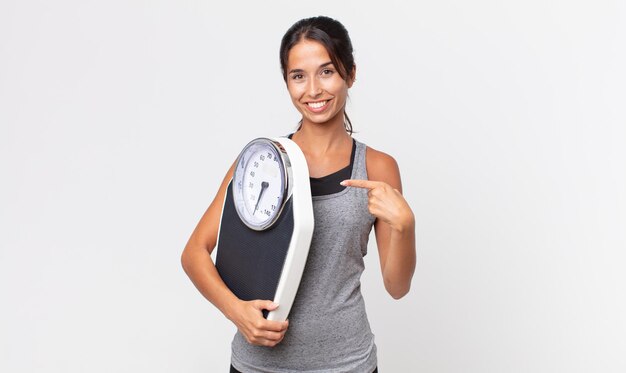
(398,294)
(184,260)
(192,255)
(397,291)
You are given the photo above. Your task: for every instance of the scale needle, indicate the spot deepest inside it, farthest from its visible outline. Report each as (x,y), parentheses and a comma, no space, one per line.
(264,186)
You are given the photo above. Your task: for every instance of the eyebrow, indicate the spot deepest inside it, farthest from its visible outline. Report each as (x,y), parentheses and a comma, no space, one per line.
(301,71)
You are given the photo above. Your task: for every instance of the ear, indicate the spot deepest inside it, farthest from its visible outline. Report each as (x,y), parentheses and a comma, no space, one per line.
(352,77)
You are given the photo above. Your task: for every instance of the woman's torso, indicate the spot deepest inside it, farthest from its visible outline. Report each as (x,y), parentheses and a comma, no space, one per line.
(328,326)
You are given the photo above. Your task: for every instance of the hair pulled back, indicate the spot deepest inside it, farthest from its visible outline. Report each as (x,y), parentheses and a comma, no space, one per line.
(333,36)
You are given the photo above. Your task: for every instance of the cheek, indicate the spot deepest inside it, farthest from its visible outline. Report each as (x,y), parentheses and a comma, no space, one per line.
(295,92)
(295,96)
(341,94)
(338,87)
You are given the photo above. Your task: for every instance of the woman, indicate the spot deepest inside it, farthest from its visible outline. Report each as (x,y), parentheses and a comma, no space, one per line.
(354,187)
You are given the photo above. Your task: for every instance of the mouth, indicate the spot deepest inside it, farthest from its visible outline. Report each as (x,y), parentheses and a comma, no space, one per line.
(317,106)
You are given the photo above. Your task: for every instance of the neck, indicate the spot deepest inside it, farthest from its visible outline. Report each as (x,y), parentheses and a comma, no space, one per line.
(322,138)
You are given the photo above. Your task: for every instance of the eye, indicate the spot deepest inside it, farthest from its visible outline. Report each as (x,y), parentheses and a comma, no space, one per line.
(296,76)
(327,72)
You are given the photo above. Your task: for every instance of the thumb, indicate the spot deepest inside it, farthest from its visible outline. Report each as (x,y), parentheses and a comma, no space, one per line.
(265,305)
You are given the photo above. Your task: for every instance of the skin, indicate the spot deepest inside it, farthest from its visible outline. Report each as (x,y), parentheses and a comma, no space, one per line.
(311,77)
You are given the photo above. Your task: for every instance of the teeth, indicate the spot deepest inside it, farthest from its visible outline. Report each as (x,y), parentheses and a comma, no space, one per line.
(317,105)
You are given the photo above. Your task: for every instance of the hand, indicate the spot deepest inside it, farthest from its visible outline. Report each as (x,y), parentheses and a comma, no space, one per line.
(386,203)
(257,330)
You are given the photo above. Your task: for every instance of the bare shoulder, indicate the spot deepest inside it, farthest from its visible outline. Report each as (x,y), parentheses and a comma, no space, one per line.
(382,167)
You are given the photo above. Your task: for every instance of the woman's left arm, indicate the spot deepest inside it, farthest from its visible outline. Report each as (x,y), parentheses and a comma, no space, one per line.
(395,222)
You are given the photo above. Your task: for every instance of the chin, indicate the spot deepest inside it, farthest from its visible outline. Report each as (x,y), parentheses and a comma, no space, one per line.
(321,120)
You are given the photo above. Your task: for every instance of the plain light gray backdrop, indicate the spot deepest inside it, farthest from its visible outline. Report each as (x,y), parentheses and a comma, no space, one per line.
(120,118)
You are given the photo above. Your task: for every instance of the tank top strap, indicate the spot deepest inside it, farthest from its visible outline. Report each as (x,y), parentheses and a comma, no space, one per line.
(359,169)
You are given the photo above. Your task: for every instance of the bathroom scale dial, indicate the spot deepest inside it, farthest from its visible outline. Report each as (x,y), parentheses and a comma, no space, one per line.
(261,183)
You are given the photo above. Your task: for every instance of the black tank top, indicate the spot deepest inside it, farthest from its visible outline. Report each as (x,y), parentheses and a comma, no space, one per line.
(329,184)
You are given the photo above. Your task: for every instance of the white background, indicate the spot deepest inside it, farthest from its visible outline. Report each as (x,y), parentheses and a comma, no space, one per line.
(118,120)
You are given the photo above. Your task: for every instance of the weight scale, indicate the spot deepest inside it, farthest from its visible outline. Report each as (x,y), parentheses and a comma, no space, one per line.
(266,224)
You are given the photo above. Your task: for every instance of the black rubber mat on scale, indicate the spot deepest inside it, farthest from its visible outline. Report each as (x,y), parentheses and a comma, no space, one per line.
(250,262)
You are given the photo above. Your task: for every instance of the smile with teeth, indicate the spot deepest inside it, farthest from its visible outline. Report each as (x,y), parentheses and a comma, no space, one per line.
(317,105)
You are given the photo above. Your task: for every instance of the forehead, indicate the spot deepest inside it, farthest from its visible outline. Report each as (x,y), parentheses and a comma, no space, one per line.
(307,53)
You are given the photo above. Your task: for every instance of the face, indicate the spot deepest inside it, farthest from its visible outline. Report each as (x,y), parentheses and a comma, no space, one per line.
(315,86)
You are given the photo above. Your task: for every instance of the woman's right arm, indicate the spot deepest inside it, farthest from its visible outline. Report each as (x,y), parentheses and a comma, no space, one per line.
(198,265)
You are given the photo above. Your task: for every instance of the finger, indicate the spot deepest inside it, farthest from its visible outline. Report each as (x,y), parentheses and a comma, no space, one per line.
(282,336)
(368,184)
(268,343)
(267,339)
(268,336)
(276,326)
(380,190)
(264,305)
(263,342)
(281,339)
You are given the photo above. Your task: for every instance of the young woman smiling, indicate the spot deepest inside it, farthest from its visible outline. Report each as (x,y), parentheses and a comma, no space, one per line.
(354,188)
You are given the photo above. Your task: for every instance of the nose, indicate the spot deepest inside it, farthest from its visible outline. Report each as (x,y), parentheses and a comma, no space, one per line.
(315,88)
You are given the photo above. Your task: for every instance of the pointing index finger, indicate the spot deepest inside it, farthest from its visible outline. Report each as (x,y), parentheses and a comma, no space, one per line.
(368,184)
